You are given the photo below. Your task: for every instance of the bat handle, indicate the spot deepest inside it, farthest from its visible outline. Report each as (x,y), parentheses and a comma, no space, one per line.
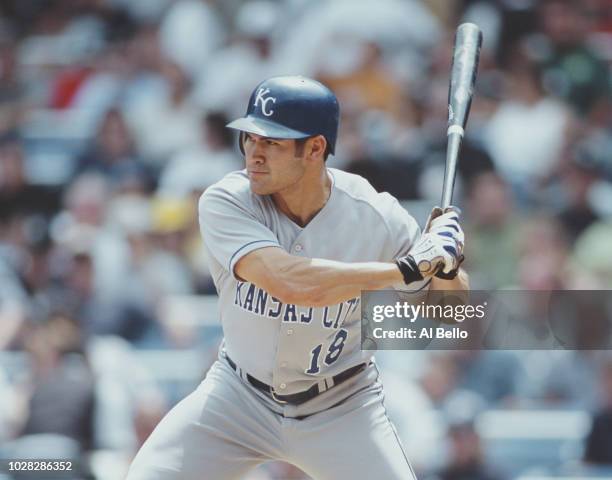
(455,135)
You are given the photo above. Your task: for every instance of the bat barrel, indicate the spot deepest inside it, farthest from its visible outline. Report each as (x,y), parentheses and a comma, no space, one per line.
(468,42)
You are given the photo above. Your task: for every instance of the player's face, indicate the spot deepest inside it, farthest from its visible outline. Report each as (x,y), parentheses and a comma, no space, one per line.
(272,164)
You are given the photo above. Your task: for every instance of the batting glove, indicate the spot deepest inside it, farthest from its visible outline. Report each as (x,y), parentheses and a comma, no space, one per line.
(439,251)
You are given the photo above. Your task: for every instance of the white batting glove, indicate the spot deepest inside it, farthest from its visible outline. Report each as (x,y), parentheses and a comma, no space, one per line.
(435,248)
(439,251)
(448,222)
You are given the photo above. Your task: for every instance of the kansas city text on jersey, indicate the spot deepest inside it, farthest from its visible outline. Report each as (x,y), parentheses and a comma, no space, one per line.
(256,300)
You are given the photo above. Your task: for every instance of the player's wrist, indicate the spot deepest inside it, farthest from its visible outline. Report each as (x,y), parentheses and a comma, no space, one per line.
(453,273)
(409,269)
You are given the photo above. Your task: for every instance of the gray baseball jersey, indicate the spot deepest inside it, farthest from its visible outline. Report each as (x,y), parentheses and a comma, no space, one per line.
(226,427)
(286,346)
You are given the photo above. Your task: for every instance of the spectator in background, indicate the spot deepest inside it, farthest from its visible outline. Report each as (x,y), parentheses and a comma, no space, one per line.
(369,84)
(193,169)
(525,135)
(92,275)
(542,265)
(467,461)
(473,159)
(544,253)
(85,213)
(117,251)
(11,90)
(166,268)
(190,32)
(494,227)
(62,388)
(577,215)
(113,153)
(143,83)
(125,314)
(598,448)
(14,301)
(233,70)
(571,381)
(24,212)
(419,423)
(169,122)
(103,86)
(127,394)
(572,69)
(18,196)
(38,270)
(380,127)
(588,168)
(12,406)
(494,376)
(183,180)
(591,253)
(439,379)
(404,152)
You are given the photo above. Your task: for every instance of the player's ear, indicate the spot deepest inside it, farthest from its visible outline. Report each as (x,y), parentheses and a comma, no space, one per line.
(316,147)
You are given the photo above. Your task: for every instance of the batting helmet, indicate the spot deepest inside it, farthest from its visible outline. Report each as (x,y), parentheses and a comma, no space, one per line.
(291,107)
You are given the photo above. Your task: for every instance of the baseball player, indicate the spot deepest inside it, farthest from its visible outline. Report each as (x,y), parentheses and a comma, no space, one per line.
(292,244)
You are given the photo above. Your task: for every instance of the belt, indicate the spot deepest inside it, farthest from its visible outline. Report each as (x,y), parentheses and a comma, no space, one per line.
(300,397)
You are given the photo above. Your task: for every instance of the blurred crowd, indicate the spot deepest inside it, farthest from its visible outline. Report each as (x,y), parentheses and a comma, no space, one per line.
(112,124)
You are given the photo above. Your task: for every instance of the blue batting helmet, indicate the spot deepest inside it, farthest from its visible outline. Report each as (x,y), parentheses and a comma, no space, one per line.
(291,107)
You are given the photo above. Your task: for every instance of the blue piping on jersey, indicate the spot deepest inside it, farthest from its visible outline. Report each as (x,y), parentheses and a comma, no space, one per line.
(229,267)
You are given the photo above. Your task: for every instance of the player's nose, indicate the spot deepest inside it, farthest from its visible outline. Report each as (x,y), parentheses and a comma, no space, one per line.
(257,153)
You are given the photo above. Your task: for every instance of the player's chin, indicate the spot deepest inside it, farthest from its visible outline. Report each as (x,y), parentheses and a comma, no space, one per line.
(259,186)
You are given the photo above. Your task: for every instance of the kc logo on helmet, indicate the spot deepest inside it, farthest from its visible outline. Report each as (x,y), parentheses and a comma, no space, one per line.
(261,97)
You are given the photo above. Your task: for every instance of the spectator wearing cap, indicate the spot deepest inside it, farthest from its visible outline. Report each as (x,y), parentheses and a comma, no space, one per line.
(166,268)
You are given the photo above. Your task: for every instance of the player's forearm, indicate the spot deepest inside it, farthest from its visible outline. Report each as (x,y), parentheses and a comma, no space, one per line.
(320,282)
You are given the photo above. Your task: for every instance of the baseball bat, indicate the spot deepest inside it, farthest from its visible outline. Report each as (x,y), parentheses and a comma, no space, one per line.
(466,54)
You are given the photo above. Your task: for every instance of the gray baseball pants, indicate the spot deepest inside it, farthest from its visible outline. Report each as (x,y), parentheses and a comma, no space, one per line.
(226,427)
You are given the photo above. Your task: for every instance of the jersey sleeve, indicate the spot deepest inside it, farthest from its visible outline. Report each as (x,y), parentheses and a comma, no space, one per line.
(230,227)
(403,231)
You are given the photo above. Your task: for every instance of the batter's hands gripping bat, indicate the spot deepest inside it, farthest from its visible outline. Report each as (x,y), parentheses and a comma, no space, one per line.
(466,53)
